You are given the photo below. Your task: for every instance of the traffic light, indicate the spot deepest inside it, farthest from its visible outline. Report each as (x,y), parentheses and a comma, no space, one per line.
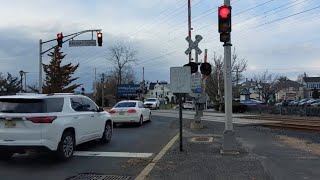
(205,68)
(224,13)
(193,66)
(59,39)
(99,37)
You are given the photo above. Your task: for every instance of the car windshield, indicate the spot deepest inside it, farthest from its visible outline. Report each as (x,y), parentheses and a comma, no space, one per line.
(151,100)
(125,104)
(13,105)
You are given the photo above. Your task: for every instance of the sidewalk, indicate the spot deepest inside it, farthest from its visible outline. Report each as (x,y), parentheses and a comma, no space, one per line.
(261,156)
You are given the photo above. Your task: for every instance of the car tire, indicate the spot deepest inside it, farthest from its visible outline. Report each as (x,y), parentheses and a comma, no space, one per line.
(5,155)
(66,146)
(140,123)
(149,117)
(107,133)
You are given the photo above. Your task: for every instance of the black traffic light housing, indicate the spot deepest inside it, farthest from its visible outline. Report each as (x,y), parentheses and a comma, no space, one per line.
(59,39)
(193,66)
(205,68)
(224,16)
(99,38)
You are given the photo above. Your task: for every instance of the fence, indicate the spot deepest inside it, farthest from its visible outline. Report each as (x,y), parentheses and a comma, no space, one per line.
(285,110)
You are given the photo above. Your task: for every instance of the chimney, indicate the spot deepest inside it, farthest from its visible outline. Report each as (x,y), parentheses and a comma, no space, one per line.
(246,79)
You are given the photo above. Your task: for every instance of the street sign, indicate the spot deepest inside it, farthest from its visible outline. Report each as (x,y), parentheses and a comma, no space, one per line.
(76,43)
(196,81)
(193,45)
(180,79)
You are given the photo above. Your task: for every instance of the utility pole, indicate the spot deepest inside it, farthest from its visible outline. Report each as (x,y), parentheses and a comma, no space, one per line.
(229,144)
(40,66)
(205,60)
(189,26)
(143,84)
(95,84)
(25,81)
(163,100)
(102,90)
(21,80)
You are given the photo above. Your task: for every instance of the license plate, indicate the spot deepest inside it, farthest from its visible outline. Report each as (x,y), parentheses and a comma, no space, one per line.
(121,112)
(10,124)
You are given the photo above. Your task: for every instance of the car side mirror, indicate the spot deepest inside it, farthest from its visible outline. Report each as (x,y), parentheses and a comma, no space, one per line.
(100,109)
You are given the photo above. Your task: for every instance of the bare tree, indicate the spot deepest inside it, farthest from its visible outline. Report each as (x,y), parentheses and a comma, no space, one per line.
(239,65)
(268,83)
(122,56)
(215,82)
(300,78)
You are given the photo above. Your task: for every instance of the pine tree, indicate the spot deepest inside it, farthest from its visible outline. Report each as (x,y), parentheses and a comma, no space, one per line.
(59,77)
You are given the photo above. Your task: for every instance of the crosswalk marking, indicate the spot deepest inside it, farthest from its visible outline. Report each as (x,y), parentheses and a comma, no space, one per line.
(113,154)
(211,117)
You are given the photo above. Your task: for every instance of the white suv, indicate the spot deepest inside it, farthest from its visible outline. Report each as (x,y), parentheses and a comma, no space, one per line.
(56,122)
(152,103)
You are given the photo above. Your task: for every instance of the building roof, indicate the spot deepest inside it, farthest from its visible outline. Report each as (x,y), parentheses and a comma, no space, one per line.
(311,79)
(151,85)
(245,91)
(289,83)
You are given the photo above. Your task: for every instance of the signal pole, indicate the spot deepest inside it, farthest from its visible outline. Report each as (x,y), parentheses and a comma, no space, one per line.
(102,90)
(229,144)
(189,26)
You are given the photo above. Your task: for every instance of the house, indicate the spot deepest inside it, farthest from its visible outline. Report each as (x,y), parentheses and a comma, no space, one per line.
(289,90)
(161,90)
(309,84)
(251,88)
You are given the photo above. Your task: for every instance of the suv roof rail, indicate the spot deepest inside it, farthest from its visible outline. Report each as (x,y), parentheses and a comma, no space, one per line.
(26,93)
(51,94)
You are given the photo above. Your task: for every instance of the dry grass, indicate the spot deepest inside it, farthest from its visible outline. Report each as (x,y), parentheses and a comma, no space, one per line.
(301,144)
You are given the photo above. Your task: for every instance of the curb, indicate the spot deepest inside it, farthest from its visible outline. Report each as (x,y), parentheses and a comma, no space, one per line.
(145,172)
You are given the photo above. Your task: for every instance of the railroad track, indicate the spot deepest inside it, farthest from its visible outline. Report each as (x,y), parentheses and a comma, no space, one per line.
(289,123)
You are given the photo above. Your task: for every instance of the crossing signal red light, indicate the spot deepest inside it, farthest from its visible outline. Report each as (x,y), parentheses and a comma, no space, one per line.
(59,39)
(224,12)
(99,38)
(205,68)
(193,66)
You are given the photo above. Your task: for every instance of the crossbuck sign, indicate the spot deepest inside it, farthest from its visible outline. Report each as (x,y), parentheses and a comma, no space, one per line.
(194,45)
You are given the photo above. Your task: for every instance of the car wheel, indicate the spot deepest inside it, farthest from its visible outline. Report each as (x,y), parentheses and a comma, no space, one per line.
(107,133)
(149,117)
(5,155)
(66,146)
(140,123)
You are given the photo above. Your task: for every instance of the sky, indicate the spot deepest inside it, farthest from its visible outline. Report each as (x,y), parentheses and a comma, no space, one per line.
(281,36)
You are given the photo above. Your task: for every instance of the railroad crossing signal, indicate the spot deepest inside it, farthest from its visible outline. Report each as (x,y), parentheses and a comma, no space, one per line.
(193,45)
(193,66)
(224,16)
(205,68)
(99,37)
(59,39)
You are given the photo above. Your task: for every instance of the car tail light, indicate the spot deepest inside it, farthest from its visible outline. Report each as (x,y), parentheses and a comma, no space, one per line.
(48,119)
(112,111)
(132,111)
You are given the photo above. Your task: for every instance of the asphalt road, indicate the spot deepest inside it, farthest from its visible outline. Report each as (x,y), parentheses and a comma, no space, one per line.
(150,138)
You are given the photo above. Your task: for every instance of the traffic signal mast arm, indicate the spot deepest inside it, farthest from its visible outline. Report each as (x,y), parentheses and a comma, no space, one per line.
(73,36)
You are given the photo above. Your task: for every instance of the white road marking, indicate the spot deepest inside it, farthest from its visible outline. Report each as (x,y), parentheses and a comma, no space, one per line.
(212,118)
(113,154)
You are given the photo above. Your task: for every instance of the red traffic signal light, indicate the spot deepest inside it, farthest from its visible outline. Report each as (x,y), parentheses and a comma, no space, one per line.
(59,39)
(224,11)
(99,38)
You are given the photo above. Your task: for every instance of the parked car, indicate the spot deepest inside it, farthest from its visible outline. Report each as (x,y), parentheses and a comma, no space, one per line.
(152,103)
(316,103)
(311,101)
(293,103)
(303,102)
(130,112)
(252,102)
(55,122)
(188,105)
(284,103)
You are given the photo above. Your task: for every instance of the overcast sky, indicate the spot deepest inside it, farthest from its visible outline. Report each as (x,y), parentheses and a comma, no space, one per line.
(261,33)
